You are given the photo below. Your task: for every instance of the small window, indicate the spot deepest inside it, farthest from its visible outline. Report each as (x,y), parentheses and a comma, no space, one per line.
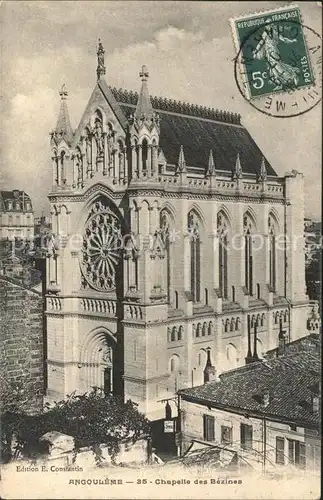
(176,300)
(206,296)
(173,334)
(258,291)
(246,436)
(208,428)
(233,294)
(226,434)
(280,444)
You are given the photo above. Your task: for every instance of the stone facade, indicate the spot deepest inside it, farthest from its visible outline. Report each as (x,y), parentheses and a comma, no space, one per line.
(138,282)
(21,342)
(16,215)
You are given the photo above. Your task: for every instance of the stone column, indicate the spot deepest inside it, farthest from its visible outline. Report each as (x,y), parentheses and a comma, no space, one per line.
(139,161)
(149,160)
(134,161)
(154,162)
(93,157)
(74,172)
(88,156)
(105,157)
(125,165)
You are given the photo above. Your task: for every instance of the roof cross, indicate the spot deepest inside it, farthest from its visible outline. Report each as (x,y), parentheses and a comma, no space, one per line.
(63,92)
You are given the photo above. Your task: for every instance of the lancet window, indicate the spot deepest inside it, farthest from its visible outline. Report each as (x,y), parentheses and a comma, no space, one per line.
(248,231)
(222,228)
(194,229)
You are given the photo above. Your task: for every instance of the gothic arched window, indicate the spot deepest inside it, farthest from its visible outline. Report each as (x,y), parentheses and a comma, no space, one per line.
(272,253)
(222,227)
(195,255)
(248,227)
(165,226)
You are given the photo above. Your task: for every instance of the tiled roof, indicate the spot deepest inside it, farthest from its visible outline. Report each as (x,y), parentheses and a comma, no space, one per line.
(198,130)
(289,379)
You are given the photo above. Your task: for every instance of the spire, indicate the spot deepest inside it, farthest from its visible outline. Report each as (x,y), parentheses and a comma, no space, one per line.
(209,370)
(63,126)
(237,173)
(181,166)
(100,70)
(144,106)
(263,171)
(211,166)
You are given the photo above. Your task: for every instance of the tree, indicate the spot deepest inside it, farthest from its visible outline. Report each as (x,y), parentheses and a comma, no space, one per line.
(91,419)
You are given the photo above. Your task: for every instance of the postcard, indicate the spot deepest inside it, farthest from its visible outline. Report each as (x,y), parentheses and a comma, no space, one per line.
(160,250)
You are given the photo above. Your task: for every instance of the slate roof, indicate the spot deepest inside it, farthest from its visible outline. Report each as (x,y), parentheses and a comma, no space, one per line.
(291,380)
(199,129)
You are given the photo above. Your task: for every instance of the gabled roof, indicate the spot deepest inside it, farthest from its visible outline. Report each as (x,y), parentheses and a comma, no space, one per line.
(291,381)
(198,130)
(101,90)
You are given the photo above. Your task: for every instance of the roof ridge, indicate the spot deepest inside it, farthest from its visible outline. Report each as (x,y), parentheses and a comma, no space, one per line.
(166,104)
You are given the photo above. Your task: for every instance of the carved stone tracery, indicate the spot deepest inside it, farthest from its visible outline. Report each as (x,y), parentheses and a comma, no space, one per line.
(101,248)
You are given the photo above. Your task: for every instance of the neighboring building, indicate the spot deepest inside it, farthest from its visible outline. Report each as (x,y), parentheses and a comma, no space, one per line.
(43,226)
(185,192)
(16,215)
(267,413)
(21,326)
(313,239)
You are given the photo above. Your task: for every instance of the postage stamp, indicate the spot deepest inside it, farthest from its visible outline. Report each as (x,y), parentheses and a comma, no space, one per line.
(277,55)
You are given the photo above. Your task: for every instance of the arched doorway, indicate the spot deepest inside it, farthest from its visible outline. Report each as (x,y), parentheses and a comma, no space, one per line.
(97,361)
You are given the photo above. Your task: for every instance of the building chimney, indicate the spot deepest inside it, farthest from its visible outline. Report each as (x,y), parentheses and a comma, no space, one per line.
(315,405)
(248,358)
(209,370)
(281,339)
(265,398)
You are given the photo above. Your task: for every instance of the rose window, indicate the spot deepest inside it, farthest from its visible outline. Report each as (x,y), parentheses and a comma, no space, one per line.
(101,248)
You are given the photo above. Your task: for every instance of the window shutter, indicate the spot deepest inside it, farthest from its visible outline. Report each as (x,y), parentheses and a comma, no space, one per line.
(302,455)
(280,444)
(208,428)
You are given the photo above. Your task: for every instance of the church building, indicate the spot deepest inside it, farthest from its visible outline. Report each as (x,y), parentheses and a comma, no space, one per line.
(174,237)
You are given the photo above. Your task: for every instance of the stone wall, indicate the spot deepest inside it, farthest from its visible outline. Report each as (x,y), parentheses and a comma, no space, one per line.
(21,342)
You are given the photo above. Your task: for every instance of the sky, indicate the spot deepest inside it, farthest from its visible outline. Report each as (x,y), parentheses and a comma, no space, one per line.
(188,49)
